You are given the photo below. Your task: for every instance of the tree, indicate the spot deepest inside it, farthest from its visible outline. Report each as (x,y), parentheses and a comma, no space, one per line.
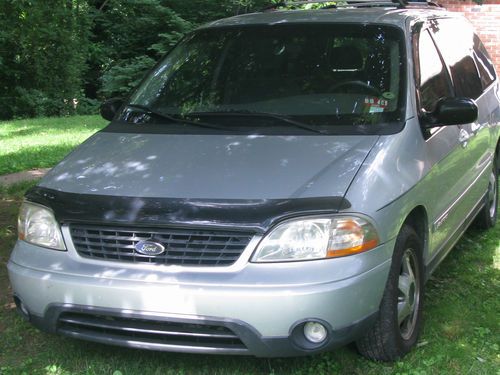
(54,53)
(136,34)
(43,51)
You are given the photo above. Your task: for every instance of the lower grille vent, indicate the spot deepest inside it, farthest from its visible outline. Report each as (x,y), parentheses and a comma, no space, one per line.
(150,334)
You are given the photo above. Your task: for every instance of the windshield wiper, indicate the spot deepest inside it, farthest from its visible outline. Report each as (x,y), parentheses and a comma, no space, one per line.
(247,113)
(171,118)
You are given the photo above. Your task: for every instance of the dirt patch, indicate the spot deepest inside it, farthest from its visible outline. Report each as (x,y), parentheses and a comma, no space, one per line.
(14,178)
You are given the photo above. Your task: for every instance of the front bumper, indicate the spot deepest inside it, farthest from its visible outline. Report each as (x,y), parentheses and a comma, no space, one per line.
(188,335)
(264,305)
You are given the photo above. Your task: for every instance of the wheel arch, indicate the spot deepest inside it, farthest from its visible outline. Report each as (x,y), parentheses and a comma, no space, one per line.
(418,220)
(497,154)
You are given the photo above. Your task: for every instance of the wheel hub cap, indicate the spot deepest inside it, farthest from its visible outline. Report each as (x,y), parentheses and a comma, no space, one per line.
(408,294)
(492,194)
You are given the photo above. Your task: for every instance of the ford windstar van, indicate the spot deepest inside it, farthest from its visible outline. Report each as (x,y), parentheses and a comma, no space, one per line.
(281,183)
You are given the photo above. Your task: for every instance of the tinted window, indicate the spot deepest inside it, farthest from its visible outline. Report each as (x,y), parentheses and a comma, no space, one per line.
(455,40)
(434,83)
(484,63)
(322,74)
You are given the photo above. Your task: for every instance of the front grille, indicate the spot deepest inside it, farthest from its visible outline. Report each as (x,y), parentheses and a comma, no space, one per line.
(182,246)
(150,334)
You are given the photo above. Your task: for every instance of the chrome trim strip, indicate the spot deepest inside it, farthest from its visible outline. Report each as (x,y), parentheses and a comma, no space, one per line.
(440,254)
(442,218)
(83,323)
(113,340)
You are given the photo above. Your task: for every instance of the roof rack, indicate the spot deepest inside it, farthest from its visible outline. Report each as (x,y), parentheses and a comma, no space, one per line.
(354,4)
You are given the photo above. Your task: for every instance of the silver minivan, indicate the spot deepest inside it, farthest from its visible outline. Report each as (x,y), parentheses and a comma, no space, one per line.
(280,183)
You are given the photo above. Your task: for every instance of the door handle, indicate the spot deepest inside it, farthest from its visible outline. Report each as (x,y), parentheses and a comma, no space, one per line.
(475,127)
(464,137)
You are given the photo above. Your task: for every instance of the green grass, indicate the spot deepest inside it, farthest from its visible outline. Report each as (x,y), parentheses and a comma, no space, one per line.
(461,334)
(42,142)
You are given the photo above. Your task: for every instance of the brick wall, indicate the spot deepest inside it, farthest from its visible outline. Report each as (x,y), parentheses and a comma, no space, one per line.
(486,21)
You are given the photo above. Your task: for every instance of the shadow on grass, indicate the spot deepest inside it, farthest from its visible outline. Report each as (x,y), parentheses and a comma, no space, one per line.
(23,132)
(37,129)
(29,127)
(16,191)
(34,157)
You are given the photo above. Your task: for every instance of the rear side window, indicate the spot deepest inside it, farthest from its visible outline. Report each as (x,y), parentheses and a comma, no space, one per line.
(433,83)
(484,63)
(455,40)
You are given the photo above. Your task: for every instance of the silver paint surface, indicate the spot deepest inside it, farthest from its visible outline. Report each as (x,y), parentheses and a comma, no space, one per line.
(211,166)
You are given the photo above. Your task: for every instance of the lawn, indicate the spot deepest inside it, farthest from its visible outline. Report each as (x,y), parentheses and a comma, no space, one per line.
(42,142)
(461,334)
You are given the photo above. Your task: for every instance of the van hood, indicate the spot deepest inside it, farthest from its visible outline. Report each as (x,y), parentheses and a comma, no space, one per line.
(211,166)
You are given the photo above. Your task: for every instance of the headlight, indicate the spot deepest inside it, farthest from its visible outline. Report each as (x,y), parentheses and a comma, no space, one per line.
(37,225)
(316,238)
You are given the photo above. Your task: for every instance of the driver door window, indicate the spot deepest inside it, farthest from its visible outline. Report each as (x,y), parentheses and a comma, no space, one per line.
(434,83)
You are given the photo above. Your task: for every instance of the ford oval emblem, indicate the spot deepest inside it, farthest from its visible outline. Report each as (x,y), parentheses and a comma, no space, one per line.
(149,247)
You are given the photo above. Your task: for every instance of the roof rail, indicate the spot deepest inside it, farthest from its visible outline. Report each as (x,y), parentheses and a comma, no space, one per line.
(353,3)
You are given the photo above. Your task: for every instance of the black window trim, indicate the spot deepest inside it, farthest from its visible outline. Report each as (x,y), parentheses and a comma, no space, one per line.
(426,28)
(495,78)
(483,90)
(418,29)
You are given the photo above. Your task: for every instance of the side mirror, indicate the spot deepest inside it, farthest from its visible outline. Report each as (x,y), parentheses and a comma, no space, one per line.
(453,111)
(110,107)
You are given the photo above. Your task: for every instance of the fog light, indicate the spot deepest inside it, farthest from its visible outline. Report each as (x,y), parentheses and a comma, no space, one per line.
(315,332)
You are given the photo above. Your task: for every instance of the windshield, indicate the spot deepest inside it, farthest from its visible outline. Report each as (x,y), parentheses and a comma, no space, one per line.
(321,75)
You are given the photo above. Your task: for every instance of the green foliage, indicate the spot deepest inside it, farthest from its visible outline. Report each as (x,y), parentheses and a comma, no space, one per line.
(320,5)
(34,103)
(86,106)
(43,48)
(201,11)
(134,34)
(124,75)
(61,57)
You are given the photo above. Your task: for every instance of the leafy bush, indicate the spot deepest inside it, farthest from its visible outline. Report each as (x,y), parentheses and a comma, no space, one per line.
(64,57)
(87,106)
(125,75)
(35,103)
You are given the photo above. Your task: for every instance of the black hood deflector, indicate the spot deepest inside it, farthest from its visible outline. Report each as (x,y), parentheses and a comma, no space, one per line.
(257,215)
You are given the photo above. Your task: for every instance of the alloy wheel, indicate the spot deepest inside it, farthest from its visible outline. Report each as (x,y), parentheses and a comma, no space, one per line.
(492,194)
(408,294)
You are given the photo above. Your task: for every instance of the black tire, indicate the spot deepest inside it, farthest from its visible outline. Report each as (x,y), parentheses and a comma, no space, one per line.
(487,217)
(389,339)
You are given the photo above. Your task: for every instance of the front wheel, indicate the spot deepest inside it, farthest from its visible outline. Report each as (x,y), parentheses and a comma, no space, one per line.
(399,319)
